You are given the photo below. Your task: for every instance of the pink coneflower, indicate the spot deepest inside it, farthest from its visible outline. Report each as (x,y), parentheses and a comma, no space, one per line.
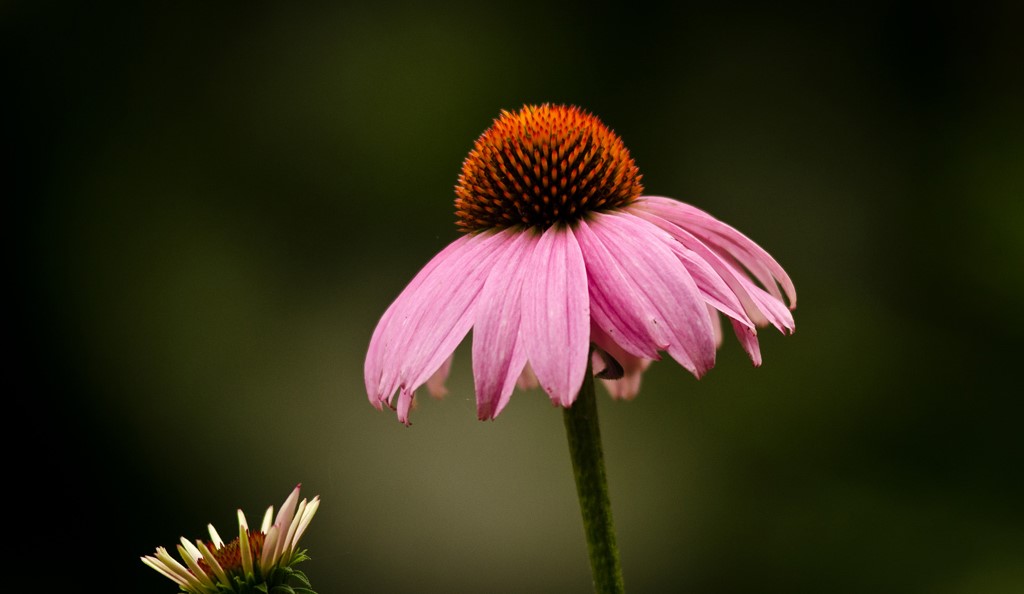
(561,252)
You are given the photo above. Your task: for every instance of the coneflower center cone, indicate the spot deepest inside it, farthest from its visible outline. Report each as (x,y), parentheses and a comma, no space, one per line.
(543,165)
(229,556)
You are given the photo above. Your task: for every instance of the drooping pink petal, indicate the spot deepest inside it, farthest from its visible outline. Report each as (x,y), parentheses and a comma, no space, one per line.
(615,301)
(761,306)
(713,288)
(378,386)
(449,312)
(405,403)
(777,313)
(716,325)
(556,314)
(527,379)
(428,319)
(748,340)
(498,353)
(663,296)
(436,383)
(729,274)
(725,238)
(633,368)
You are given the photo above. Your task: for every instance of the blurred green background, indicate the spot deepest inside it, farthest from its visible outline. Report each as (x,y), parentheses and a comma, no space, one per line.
(211,206)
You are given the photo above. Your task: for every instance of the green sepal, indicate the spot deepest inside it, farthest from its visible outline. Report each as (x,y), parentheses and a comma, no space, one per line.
(302,578)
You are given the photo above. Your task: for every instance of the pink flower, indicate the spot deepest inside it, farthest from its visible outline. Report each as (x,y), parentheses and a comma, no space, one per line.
(562,252)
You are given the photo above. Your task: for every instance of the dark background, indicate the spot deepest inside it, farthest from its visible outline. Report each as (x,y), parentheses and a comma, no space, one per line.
(211,206)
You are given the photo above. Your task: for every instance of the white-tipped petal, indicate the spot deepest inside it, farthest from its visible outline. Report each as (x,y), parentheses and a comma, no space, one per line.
(271,544)
(268,519)
(284,516)
(211,560)
(187,579)
(191,549)
(303,523)
(243,549)
(214,537)
(165,571)
(281,523)
(197,572)
(286,542)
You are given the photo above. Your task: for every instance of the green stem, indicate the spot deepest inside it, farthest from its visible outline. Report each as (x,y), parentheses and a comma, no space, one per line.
(584,435)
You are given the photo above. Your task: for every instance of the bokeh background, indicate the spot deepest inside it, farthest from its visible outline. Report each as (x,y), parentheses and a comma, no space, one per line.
(211,206)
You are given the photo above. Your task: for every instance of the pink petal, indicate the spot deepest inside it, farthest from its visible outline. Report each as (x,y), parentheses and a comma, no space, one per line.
(716,325)
(633,368)
(373,368)
(624,388)
(725,270)
(528,379)
(436,383)
(272,550)
(661,295)
(725,238)
(556,314)
(776,312)
(428,319)
(712,287)
(614,298)
(405,403)
(748,339)
(498,354)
